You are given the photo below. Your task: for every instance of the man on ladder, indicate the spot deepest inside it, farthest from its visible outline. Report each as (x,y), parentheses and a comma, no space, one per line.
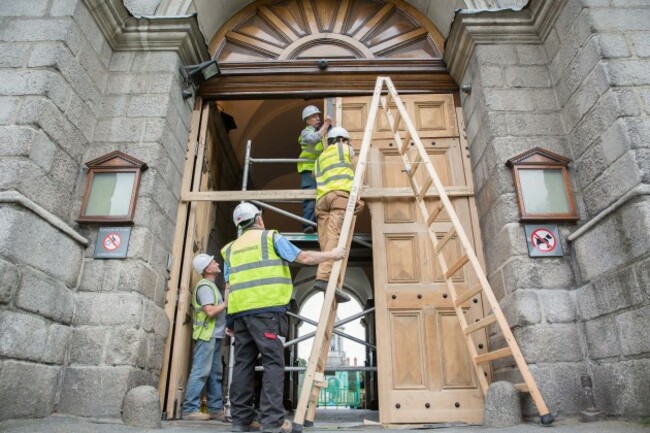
(259,287)
(334,176)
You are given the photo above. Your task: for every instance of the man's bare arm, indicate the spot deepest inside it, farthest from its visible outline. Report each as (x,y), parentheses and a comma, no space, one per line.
(316,257)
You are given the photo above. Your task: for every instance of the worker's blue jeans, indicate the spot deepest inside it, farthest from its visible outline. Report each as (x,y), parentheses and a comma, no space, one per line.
(307,182)
(207,370)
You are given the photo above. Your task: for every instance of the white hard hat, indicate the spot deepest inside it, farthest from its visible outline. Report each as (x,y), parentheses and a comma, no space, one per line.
(201,262)
(244,212)
(338,131)
(309,110)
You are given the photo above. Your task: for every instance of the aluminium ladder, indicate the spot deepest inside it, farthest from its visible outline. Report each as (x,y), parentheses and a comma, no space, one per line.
(404,137)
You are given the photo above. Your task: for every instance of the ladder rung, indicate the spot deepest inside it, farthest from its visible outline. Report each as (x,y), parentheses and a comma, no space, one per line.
(415,165)
(425,188)
(521,387)
(486,321)
(434,213)
(491,356)
(445,239)
(456,266)
(468,294)
(405,143)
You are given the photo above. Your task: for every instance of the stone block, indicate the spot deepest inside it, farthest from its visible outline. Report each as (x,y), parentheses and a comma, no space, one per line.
(137,276)
(644,93)
(88,345)
(527,124)
(155,320)
(9,281)
(27,390)
(113,106)
(34,82)
(621,388)
(31,8)
(591,164)
(156,61)
(29,30)
(577,71)
(523,272)
(26,239)
(30,143)
(602,338)
(84,387)
(88,27)
(628,72)
(126,346)
(121,61)
(141,408)
(531,54)
(642,273)
(63,7)
(148,106)
(108,309)
(616,180)
(56,347)
(619,20)
(579,104)
(626,133)
(140,244)
(155,352)
(558,306)
(133,83)
(556,343)
(508,100)
(612,46)
(14,55)
(23,335)
(8,109)
(569,14)
(45,296)
(527,76)
(569,50)
(521,308)
(502,406)
(496,54)
(610,293)
(551,45)
(633,328)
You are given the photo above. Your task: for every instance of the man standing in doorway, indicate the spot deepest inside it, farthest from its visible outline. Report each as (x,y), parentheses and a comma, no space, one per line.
(334,177)
(209,327)
(259,286)
(311,146)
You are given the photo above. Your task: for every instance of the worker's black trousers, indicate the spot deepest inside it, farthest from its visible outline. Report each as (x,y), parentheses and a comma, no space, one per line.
(258,334)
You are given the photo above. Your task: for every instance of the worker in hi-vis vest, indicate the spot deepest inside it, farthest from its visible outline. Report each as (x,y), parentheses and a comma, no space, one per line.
(259,287)
(311,145)
(334,177)
(208,330)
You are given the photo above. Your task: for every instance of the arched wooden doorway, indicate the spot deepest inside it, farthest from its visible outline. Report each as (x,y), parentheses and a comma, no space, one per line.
(274,49)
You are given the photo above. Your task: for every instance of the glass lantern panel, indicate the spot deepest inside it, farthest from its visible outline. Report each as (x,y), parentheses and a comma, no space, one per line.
(543,191)
(110,194)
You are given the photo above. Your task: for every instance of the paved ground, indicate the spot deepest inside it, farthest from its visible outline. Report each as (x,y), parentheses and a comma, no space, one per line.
(327,421)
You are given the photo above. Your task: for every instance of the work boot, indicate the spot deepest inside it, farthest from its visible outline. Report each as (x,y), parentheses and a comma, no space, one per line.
(284,427)
(218,415)
(197,416)
(339,294)
(254,426)
(308,230)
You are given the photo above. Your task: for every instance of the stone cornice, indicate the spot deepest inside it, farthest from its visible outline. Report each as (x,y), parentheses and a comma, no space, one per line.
(529,25)
(125,32)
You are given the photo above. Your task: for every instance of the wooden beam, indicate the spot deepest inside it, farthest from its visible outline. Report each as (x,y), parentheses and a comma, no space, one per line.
(299,194)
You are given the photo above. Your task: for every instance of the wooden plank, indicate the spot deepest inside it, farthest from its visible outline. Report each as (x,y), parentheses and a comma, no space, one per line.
(434,214)
(398,41)
(486,321)
(467,295)
(177,248)
(405,142)
(264,48)
(372,23)
(491,356)
(286,31)
(456,266)
(310,15)
(340,17)
(521,387)
(299,194)
(445,239)
(424,189)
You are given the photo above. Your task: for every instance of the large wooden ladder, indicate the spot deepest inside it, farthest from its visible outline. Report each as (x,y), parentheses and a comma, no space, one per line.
(405,134)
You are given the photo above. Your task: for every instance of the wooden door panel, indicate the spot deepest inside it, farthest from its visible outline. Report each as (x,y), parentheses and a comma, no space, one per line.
(424,371)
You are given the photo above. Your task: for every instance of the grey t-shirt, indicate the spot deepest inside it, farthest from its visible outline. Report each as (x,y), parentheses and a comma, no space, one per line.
(205,296)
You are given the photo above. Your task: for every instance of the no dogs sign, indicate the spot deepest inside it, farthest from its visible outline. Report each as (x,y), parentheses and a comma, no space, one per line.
(112,242)
(543,240)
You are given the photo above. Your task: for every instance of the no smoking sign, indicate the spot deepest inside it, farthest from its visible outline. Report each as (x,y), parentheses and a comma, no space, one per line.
(112,242)
(543,240)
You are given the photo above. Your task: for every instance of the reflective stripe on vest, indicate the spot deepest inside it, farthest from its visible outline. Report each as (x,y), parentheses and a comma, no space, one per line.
(203,326)
(309,151)
(334,170)
(258,277)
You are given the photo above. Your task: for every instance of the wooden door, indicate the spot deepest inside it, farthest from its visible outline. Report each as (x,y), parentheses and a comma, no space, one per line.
(194,224)
(424,371)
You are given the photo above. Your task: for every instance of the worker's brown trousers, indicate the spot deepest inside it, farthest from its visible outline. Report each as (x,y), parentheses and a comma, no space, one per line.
(330,211)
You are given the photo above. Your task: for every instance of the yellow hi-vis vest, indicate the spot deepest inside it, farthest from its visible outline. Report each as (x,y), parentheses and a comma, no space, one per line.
(334,170)
(258,278)
(309,151)
(203,326)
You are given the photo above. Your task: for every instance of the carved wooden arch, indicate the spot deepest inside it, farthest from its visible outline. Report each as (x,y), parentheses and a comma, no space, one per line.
(356,37)
(362,29)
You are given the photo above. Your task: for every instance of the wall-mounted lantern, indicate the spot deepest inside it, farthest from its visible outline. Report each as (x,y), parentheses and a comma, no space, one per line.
(111,189)
(543,187)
